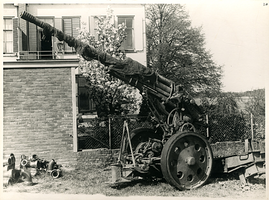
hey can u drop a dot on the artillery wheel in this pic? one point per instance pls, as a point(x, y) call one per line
point(186, 160)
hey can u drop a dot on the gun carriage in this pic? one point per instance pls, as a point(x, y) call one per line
point(175, 149)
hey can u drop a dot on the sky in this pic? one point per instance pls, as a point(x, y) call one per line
point(237, 35)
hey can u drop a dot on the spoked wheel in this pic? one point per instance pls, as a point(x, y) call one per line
point(186, 160)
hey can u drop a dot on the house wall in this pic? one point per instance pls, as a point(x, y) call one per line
point(38, 113)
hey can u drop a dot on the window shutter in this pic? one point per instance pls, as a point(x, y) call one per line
point(22, 38)
point(15, 35)
point(71, 27)
point(67, 24)
point(24, 41)
point(19, 33)
point(75, 27)
point(32, 37)
point(58, 23)
point(139, 32)
point(92, 25)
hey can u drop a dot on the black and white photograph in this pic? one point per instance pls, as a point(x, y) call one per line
point(116, 99)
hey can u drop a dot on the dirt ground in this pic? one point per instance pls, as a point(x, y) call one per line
point(94, 181)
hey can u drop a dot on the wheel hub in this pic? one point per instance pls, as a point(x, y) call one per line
point(190, 160)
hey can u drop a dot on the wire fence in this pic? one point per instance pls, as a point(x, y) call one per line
point(97, 133)
point(236, 127)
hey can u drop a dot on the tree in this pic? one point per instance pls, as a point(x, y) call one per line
point(176, 50)
point(256, 103)
point(226, 120)
point(221, 104)
point(110, 95)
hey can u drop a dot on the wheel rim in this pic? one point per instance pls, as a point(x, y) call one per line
point(186, 160)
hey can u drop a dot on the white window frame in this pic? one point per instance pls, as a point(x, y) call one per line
point(92, 28)
point(128, 28)
point(7, 30)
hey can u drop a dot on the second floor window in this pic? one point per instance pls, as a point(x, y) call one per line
point(71, 27)
point(7, 35)
point(128, 44)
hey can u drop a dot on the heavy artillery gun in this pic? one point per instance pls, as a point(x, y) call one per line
point(175, 149)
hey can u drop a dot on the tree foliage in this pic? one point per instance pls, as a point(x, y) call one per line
point(176, 49)
point(221, 104)
point(110, 95)
point(256, 103)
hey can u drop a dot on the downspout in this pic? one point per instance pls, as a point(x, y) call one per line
point(74, 109)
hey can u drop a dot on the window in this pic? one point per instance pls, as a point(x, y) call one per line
point(128, 44)
point(71, 27)
point(85, 103)
point(7, 35)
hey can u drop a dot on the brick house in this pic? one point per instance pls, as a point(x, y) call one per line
point(41, 95)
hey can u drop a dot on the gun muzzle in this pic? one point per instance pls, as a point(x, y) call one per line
point(30, 18)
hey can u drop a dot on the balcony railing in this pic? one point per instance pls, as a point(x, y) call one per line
point(44, 55)
point(36, 55)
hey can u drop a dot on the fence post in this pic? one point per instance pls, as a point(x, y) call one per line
point(207, 128)
point(251, 124)
point(109, 131)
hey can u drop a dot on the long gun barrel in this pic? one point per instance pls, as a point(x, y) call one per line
point(30, 18)
point(123, 69)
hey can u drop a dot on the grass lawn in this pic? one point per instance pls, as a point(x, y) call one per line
point(94, 181)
